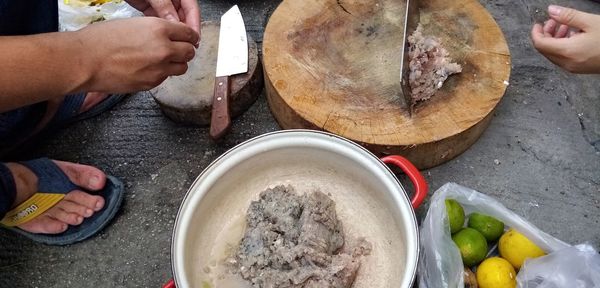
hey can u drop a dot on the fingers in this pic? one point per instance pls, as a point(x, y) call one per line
point(183, 52)
point(550, 27)
point(181, 32)
point(181, 15)
point(537, 33)
point(562, 32)
point(571, 17)
point(554, 29)
point(191, 10)
point(573, 33)
point(165, 9)
point(550, 46)
point(176, 69)
point(547, 45)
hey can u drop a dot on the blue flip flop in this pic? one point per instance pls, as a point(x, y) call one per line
point(16, 126)
point(52, 180)
point(68, 112)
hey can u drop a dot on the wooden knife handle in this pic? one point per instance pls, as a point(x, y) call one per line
point(220, 119)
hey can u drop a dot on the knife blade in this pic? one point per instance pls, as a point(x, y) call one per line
point(232, 58)
point(411, 21)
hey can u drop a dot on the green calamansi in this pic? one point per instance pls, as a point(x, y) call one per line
point(456, 215)
point(490, 227)
point(472, 246)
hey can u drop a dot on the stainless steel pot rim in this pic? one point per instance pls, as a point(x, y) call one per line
point(240, 146)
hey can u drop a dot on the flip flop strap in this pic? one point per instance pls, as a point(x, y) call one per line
point(69, 108)
point(53, 184)
point(51, 179)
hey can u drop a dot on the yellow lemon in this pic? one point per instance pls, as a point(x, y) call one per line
point(515, 247)
point(496, 272)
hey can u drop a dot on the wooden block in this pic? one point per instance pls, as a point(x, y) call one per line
point(187, 99)
point(334, 65)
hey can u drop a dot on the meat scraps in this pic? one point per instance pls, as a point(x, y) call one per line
point(429, 66)
point(296, 241)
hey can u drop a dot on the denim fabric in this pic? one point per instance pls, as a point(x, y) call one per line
point(8, 191)
point(21, 17)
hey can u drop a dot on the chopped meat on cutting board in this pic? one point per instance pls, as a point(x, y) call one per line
point(429, 65)
point(294, 240)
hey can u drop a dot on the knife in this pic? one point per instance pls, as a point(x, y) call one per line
point(411, 21)
point(232, 58)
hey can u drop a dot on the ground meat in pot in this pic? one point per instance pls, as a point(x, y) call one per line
point(296, 241)
point(429, 66)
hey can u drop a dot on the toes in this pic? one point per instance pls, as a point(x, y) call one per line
point(72, 210)
point(93, 202)
point(88, 177)
point(64, 216)
point(92, 99)
point(76, 205)
point(76, 208)
point(44, 224)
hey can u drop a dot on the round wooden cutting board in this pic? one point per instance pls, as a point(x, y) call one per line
point(334, 65)
point(188, 98)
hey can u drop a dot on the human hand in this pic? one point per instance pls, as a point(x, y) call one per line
point(569, 39)
point(120, 58)
point(186, 11)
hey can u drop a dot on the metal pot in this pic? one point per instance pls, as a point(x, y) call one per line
point(370, 202)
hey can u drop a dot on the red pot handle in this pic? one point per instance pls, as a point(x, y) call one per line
point(170, 284)
point(415, 176)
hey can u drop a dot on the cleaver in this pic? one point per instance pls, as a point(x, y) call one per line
point(411, 21)
point(232, 58)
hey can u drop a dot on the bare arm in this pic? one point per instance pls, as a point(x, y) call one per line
point(41, 67)
point(113, 56)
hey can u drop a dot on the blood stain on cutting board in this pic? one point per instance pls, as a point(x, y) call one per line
point(348, 70)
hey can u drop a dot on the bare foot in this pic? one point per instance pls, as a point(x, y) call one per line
point(76, 205)
point(92, 99)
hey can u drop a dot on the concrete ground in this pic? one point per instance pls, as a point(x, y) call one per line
point(540, 157)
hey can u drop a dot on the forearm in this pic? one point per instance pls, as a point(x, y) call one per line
point(40, 67)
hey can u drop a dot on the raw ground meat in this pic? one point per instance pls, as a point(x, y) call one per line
point(429, 66)
point(296, 241)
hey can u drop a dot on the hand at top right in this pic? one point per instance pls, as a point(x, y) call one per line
point(570, 39)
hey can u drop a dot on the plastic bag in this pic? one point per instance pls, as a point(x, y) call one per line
point(440, 263)
point(573, 267)
point(76, 14)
